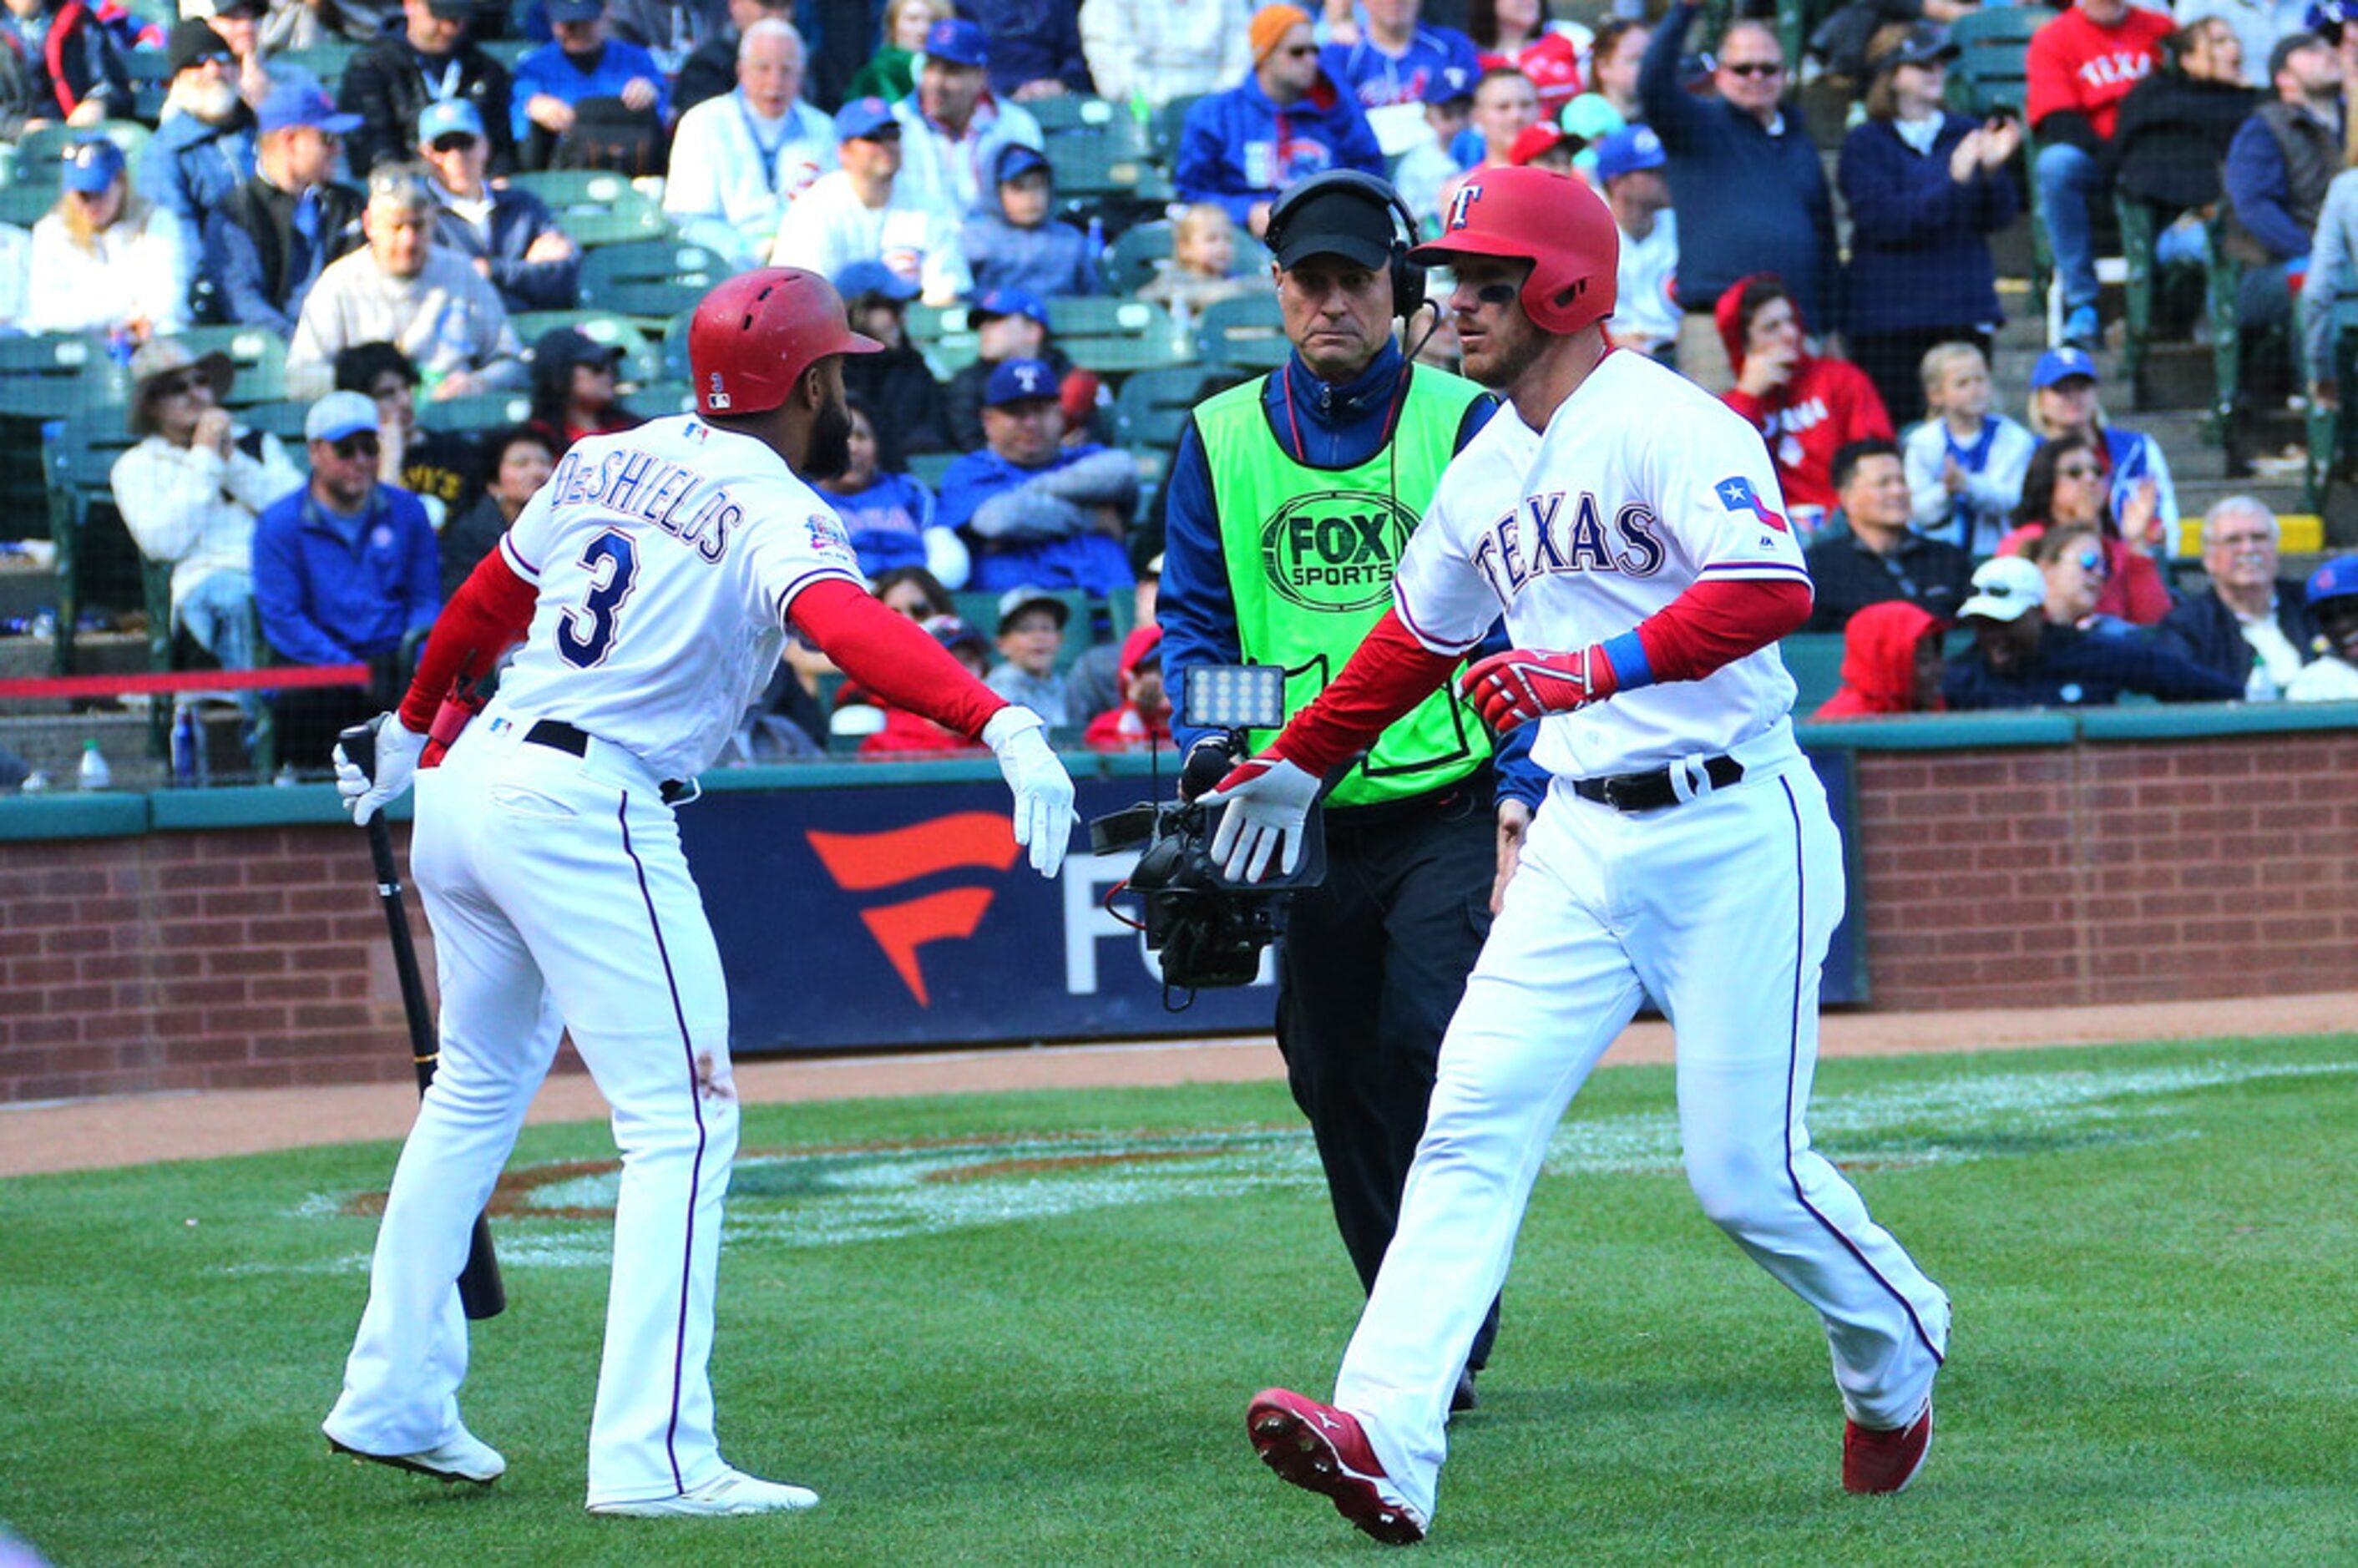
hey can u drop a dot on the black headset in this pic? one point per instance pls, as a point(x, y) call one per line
point(1407, 279)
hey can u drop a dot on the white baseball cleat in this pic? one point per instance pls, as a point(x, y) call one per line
point(730, 1492)
point(464, 1458)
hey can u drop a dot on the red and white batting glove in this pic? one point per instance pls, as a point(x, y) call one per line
point(1268, 798)
point(1523, 684)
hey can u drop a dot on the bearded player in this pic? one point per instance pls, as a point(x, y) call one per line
point(1631, 529)
point(656, 572)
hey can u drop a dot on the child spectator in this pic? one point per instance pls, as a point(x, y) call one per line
point(1142, 721)
point(896, 377)
point(1891, 663)
point(1424, 169)
point(573, 392)
point(1516, 33)
point(439, 467)
point(103, 259)
point(1198, 274)
point(2332, 676)
point(2064, 488)
point(1926, 190)
point(517, 461)
point(889, 515)
point(1020, 245)
point(890, 72)
point(2063, 401)
point(1008, 324)
point(1965, 463)
point(1030, 635)
point(1806, 408)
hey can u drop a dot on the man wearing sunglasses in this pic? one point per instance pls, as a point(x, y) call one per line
point(1746, 178)
point(1285, 122)
point(506, 233)
point(345, 571)
point(203, 146)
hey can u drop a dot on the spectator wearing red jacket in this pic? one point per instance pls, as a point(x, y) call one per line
point(1891, 663)
point(1806, 408)
point(2081, 66)
point(1142, 721)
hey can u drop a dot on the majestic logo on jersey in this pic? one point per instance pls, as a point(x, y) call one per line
point(1559, 532)
point(1335, 550)
point(1737, 495)
point(1461, 205)
point(864, 863)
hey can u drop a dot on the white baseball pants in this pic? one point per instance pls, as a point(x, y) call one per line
point(1722, 909)
point(559, 898)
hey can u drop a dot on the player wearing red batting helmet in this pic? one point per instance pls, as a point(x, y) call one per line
point(752, 337)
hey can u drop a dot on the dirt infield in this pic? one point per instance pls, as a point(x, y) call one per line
point(135, 1130)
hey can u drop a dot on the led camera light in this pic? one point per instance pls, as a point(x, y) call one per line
point(1235, 696)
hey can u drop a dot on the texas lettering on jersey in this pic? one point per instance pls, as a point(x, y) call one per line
point(655, 489)
point(1552, 533)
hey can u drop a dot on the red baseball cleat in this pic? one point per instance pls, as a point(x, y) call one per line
point(1322, 1450)
point(1885, 1461)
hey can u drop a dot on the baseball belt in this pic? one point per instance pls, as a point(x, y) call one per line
point(1652, 792)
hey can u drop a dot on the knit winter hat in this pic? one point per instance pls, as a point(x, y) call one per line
point(1270, 25)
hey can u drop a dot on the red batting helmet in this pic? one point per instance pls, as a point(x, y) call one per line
point(1552, 220)
point(752, 337)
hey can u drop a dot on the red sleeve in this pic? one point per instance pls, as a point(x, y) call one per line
point(489, 613)
point(893, 657)
point(2148, 600)
point(1715, 624)
point(1390, 673)
point(1751, 407)
point(2047, 67)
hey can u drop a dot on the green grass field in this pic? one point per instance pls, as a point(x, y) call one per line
point(1022, 1329)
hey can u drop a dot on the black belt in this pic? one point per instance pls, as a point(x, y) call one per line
point(1651, 792)
point(559, 736)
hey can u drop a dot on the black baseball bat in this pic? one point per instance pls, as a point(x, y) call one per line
point(480, 1291)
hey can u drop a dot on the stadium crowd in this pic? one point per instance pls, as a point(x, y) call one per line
point(395, 193)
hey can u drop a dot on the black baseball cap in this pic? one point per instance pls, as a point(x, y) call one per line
point(1338, 222)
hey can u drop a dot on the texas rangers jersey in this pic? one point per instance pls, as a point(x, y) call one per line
point(1641, 484)
point(666, 559)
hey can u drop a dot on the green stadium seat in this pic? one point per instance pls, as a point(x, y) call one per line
point(1814, 661)
point(95, 557)
point(1129, 264)
point(1170, 124)
point(260, 357)
point(675, 346)
point(596, 208)
point(48, 376)
point(40, 151)
point(661, 399)
point(1114, 336)
point(1113, 160)
point(641, 359)
point(927, 468)
point(479, 411)
point(325, 59)
point(649, 280)
point(1152, 407)
point(1989, 72)
point(26, 205)
point(1071, 111)
point(1247, 333)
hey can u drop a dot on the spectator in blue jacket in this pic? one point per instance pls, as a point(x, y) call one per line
point(890, 516)
point(345, 571)
point(583, 63)
point(1020, 245)
point(1744, 177)
point(2278, 168)
point(1035, 47)
point(1388, 67)
point(203, 146)
point(509, 234)
point(1925, 190)
point(2019, 660)
point(268, 240)
point(1034, 510)
point(1286, 121)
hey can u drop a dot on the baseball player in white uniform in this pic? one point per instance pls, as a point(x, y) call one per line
point(1683, 851)
point(656, 571)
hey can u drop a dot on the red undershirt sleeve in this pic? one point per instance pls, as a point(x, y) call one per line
point(894, 658)
point(1717, 621)
point(488, 614)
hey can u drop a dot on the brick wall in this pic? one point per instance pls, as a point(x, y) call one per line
point(2028, 876)
point(2149, 871)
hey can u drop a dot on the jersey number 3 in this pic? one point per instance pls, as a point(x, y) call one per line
point(585, 636)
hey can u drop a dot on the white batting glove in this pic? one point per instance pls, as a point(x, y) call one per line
point(1268, 799)
point(1044, 791)
point(397, 747)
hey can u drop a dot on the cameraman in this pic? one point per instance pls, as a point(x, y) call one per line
point(1290, 500)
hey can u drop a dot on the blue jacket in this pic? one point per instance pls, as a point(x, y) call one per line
point(887, 521)
point(1084, 558)
point(549, 69)
point(1341, 428)
point(1031, 40)
point(1378, 81)
point(1239, 149)
point(189, 165)
point(518, 217)
point(2075, 669)
point(326, 602)
point(1746, 201)
point(1049, 260)
point(1920, 252)
point(2259, 189)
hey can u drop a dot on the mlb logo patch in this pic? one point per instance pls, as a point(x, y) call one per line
point(1737, 495)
